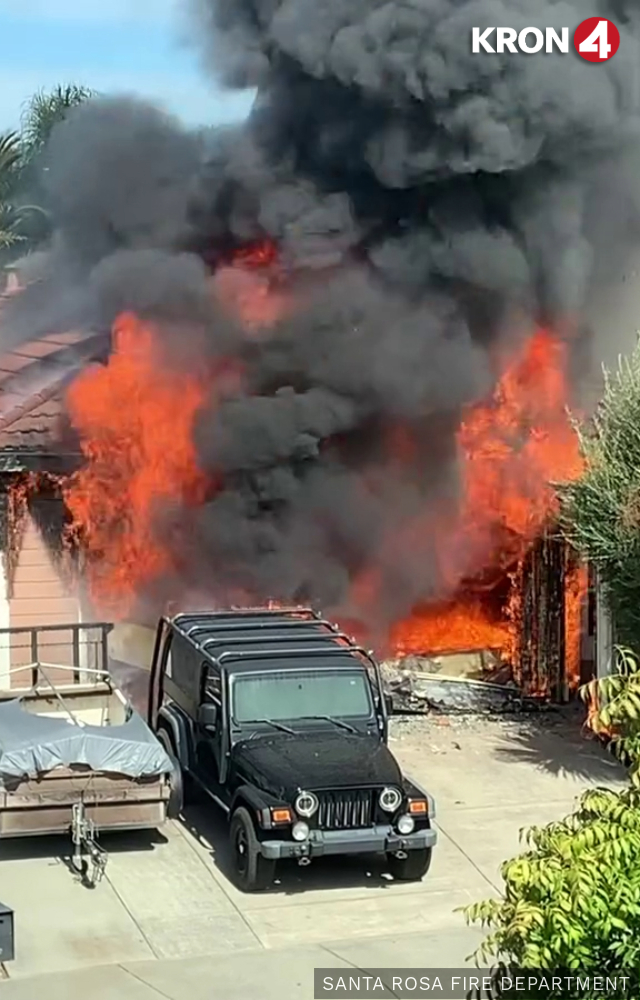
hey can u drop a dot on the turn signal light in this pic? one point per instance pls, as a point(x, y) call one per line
point(281, 816)
point(418, 807)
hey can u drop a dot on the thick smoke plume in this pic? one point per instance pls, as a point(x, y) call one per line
point(429, 207)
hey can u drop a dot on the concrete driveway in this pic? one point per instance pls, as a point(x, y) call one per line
point(167, 920)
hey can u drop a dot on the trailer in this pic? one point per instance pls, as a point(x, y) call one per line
point(75, 757)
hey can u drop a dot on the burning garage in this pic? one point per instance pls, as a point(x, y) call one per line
point(328, 353)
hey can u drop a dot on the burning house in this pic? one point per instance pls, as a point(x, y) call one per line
point(326, 355)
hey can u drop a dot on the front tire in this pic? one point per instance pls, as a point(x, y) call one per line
point(252, 871)
point(413, 868)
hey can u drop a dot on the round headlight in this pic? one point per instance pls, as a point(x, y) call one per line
point(406, 824)
point(300, 831)
point(390, 799)
point(306, 804)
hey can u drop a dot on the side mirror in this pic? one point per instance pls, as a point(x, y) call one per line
point(388, 702)
point(208, 716)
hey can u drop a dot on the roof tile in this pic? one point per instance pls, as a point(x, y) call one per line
point(33, 377)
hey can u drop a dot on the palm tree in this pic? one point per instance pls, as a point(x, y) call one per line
point(24, 225)
point(45, 110)
point(10, 168)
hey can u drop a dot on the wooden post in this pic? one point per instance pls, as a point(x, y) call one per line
point(539, 669)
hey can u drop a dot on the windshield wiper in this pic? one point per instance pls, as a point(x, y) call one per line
point(336, 722)
point(276, 725)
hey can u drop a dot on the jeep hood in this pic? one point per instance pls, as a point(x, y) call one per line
point(283, 764)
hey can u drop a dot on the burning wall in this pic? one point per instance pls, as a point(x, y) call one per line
point(345, 332)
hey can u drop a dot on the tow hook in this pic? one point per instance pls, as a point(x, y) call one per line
point(303, 862)
point(401, 855)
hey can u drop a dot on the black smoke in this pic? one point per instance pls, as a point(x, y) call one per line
point(428, 206)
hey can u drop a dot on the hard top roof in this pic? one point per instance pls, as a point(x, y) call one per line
point(278, 639)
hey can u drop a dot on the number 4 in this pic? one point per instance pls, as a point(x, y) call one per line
point(599, 34)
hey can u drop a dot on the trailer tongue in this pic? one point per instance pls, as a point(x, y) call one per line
point(74, 755)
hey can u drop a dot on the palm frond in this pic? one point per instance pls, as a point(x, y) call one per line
point(46, 109)
point(10, 162)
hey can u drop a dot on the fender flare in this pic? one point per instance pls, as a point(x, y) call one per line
point(171, 718)
point(411, 787)
point(250, 797)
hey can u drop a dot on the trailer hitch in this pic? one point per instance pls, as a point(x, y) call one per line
point(89, 859)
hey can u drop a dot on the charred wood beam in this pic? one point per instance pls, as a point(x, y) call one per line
point(34, 460)
point(540, 669)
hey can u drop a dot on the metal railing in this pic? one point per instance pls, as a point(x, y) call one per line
point(77, 637)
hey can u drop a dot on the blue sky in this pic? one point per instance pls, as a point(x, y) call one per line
point(114, 46)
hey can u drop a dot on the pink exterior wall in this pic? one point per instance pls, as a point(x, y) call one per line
point(40, 597)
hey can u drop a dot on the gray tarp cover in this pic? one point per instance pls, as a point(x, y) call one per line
point(33, 744)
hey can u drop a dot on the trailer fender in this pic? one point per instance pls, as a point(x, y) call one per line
point(171, 718)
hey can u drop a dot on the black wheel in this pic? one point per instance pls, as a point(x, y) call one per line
point(412, 868)
point(252, 871)
point(176, 794)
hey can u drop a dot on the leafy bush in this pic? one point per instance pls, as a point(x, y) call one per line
point(572, 901)
point(614, 703)
point(600, 511)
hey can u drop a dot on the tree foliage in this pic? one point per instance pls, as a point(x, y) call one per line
point(10, 160)
point(572, 901)
point(23, 222)
point(600, 511)
point(615, 711)
point(44, 111)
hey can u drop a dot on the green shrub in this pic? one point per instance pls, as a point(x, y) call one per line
point(615, 710)
point(600, 511)
point(573, 899)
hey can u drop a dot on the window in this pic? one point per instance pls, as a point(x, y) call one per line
point(299, 694)
point(184, 665)
point(211, 683)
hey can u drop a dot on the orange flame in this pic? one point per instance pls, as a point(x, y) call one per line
point(135, 418)
point(248, 288)
point(576, 591)
point(136, 415)
point(512, 448)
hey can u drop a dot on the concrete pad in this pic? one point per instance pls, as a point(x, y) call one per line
point(335, 897)
point(306, 923)
point(270, 975)
point(471, 770)
point(447, 948)
point(267, 975)
point(335, 879)
point(470, 830)
point(109, 982)
point(169, 903)
point(179, 907)
point(61, 925)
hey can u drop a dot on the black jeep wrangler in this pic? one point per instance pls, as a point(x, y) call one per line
point(281, 719)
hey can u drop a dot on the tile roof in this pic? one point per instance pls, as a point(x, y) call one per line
point(33, 378)
point(34, 423)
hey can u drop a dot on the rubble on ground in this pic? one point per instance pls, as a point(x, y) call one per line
point(417, 684)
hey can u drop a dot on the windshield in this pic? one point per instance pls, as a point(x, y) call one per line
point(300, 694)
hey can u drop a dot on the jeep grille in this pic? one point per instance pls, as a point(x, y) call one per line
point(346, 809)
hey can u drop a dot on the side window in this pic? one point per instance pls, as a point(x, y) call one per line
point(211, 689)
point(184, 665)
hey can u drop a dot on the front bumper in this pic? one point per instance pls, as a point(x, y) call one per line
point(373, 840)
